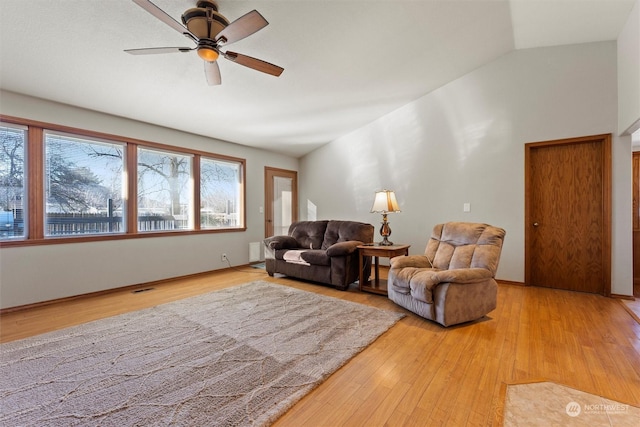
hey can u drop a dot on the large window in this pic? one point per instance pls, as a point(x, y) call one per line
point(12, 181)
point(165, 193)
point(83, 186)
point(220, 193)
point(60, 184)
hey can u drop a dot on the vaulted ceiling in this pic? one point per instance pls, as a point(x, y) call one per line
point(346, 62)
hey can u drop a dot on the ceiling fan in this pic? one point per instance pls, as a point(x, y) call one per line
point(211, 31)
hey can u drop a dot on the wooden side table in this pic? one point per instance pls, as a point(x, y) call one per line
point(377, 285)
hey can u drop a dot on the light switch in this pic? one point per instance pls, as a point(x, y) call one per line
point(261, 210)
point(466, 207)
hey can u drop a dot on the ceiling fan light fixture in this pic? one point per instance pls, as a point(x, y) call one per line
point(208, 53)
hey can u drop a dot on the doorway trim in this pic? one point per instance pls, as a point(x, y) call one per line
point(269, 174)
point(605, 140)
point(635, 203)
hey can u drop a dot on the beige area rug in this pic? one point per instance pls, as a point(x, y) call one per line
point(236, 357)
point(547, 404)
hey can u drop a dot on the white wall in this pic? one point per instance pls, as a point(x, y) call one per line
point(465, 143)
point(39, 273)
point(629, 73)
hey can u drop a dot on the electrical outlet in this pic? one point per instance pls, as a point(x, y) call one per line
point(223, 257)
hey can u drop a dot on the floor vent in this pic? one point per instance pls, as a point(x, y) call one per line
point(137, 291)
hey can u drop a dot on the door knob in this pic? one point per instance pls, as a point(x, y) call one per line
point(535, 224)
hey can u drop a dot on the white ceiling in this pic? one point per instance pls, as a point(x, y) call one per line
point(346, 62)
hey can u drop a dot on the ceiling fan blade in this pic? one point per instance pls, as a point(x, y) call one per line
point(155, 50)
point(256, 64)
point(212, 72)
point(242, 27)
point(164, 17)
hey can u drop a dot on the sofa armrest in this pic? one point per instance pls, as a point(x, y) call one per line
point(281, 242)
point(418, 261)
point(464, 275)
point(343, 248)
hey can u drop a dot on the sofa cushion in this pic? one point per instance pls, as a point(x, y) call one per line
point(316, 257)
point(295, 256)
point(308, 234)
point(343, 231)
point(279, 254)
point(312, 256)
point(465, 245)
point(343, 248)
point(281, 242)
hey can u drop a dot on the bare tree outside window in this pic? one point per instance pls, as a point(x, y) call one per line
point(12, 185)
point(83, 186)
point(165, 195)
point(220, 192)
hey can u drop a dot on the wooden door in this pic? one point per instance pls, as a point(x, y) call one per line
point(636, 224)
point(281, 199)
point(567, 214)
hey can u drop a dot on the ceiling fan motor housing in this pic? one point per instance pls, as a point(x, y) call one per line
point(204, 21)
point(207, 4)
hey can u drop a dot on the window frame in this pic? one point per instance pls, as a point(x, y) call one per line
point(81, 139)
point(34, 177)
point(25, 178)
point(240, 200)
point(192, 160)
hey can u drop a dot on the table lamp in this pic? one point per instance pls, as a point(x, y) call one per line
point(385, 202)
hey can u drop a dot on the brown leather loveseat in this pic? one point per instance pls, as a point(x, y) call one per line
point(319, 251)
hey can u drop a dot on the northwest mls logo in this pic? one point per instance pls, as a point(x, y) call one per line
point(573, 409)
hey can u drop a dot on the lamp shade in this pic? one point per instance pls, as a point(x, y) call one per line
point(385, 201)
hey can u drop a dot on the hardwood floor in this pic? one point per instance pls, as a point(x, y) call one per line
point(419, 373)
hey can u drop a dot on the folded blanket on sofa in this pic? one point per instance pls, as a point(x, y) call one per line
point(294, 257)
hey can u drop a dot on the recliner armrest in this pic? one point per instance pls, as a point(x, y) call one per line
point(464, 275)
point(281, 242)
point(418, 261)
point(343, 248)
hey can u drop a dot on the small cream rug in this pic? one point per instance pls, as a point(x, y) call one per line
point(236, 357)
point(547, 404)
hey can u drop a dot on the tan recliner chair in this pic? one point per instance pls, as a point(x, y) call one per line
point(454, 281)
